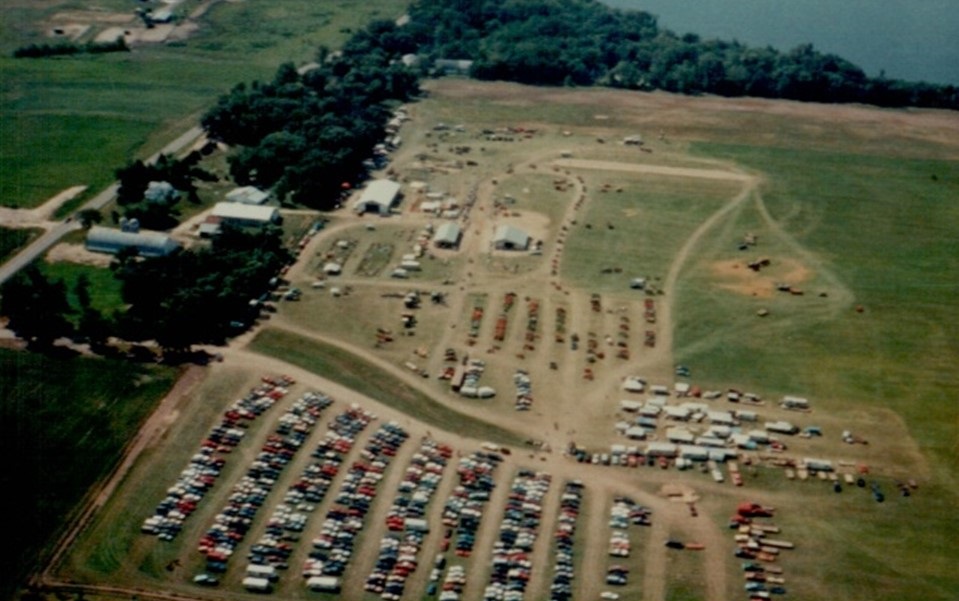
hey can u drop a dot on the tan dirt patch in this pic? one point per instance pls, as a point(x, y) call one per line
point(76, 253)
point(734, 275)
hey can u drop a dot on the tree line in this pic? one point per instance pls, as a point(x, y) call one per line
point(584, 42)
point(193, 297)
point(70, 48)
point(306, 133)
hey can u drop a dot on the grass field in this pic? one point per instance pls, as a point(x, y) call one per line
point(348, 370)
point(66, 421)
point(104, 288)
point(70, 121)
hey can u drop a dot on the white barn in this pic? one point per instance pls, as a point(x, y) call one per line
point(378, 197)
point(235, 213)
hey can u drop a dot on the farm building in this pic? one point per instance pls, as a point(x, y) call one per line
point(234, 213)
point(247, 195)
point(447, 236)
point(508, 237)
point(161, 193)
point(148, 244)
point(453, 66)
point(378, 197)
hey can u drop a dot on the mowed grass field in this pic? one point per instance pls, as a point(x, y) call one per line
point(11, 240)
point(74, 120)
point(870, 230)
point(64, 424)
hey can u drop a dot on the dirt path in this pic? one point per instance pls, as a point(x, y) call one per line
point(38, 216)
point(151, 431)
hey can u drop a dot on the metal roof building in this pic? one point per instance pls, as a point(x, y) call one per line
point(378, 197)
point(148, 244)
point(248, 195)
point(447, 235)
point(507, 237)
point(242, 214)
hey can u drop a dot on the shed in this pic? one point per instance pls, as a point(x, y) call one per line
point(447, 235)
point(378, 197)
point(248, 195)
point(235, 213)
point(148, 243)
point(507, 237)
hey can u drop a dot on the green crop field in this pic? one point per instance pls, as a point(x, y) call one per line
point(73, 120)
point(66, 421)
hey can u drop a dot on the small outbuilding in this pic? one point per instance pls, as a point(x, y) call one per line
point(148, 244)
point(378, 197)
point(447, 235)
point(507, 237)
point(247, 195)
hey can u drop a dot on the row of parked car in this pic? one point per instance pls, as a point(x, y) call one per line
point(317, 478)
point(624, 512)
point(406, 521)
point(232, 523)
point(464, 507)
point(290, 516)
point(333, 549)
point(511, 563)
point(561, 588)
point(204, 467)
point(524, 390)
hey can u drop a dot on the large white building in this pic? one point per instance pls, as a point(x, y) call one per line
point(379, 196)
point(242, 214)
point(148, 243)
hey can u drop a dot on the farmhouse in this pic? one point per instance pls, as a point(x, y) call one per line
point(238, 214)
point(447, 236)
point(161, 193)
point(508, 237)
point(378, 197)
point(148, 244)
point(248, 195)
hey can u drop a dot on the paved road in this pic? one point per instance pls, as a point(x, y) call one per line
point(53, 235)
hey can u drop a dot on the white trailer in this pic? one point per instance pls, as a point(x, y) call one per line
point(323, 584)
point(257, 585)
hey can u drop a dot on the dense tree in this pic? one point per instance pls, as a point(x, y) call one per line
point(194, 297)
point(584, 42)
point(37, 308)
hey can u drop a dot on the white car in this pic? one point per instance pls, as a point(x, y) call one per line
point(609, 595)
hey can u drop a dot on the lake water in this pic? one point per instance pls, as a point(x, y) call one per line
point(914, 40)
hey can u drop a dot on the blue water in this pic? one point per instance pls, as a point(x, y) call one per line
point(915, 40)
